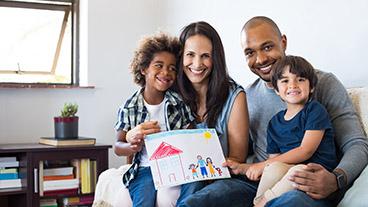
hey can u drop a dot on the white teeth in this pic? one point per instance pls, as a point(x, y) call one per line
point(196, 71)
point(265, 68)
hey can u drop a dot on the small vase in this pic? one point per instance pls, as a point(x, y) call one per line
point(66, 127)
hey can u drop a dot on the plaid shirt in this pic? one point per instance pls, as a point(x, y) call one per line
point(134, 112)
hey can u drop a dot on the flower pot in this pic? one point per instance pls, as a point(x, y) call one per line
point(66, 127)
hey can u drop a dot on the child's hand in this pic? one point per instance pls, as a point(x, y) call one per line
point(255, 171)
point(136, 135)
point(236, 167)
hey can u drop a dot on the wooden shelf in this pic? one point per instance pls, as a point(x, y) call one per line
point(29, 156)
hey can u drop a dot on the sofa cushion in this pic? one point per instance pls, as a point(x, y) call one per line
point(357, 195)
point(359, 96)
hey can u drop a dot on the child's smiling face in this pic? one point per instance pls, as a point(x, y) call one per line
point(161, 72)
point(293, 89)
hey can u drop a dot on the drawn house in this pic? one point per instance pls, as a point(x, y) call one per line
point(168, 164)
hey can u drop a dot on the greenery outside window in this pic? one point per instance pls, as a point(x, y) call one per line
point(39, 42)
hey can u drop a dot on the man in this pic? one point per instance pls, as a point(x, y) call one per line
point(263, 44)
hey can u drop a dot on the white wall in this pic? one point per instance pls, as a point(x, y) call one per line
point(330, 34)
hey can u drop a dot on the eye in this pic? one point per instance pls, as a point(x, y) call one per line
point(301, 79)
point(206, 55)
point(284, 80)
point(189, 54)
point(158, 65)
point(249, 53)
point(173, 68)
point(268, 47)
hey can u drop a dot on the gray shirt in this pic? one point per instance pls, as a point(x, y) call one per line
point(263, 103)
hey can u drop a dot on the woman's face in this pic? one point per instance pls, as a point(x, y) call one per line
point(197, 59)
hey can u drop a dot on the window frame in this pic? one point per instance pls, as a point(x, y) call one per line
point(54, 5)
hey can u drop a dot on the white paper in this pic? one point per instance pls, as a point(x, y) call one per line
point(175, 157)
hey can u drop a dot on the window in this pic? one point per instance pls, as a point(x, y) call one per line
point(39, 42)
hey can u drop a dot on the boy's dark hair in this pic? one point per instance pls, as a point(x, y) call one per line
point(218, 86)
point(147, 48)
point(298, 66)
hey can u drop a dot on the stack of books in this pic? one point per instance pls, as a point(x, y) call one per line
point(9, 177)
point(58, 180)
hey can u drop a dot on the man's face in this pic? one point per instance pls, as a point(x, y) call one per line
point(262, 47)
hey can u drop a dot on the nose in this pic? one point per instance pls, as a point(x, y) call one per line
point(261, 58)
point(197, 62)
point(292, 84)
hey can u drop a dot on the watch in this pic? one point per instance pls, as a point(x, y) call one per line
point(340, 178)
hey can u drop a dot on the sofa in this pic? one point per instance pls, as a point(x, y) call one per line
point(109, 187)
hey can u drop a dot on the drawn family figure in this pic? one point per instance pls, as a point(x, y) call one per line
point(210, 166)
point(202, 166)
point(193, 168)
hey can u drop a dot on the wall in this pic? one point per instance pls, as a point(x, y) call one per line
point(330, 34)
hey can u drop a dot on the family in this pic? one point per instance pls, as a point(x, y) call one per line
point(291, 138)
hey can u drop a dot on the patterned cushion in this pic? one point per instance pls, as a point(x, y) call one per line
point(359, 96)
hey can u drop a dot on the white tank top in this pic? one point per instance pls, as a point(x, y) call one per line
point(156, 113)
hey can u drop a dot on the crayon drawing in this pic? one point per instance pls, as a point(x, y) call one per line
point(184, 156)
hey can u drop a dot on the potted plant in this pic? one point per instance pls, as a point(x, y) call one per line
point(66, 125)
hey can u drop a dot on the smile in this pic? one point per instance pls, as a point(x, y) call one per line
point(164, 80)
point(293, 93)
point(197, 71)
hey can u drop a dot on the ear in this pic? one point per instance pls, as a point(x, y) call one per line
point(276, 92)
point(284, 42)
point(312, 90)
point(143, 71)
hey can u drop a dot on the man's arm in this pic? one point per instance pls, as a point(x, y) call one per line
point(349, 136)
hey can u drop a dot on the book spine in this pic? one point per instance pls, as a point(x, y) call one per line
point(5, 176)
point(9, 164)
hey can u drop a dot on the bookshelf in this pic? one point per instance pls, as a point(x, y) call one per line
point(30, 156)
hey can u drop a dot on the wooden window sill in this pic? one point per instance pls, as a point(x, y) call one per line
point(25, 85)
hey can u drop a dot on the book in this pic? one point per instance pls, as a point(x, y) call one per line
point(58, 171)
point(67, 142)
point(64, 192)
point(58, 177)
point(85, 176)
point(9, 170)
point(8, 159)
point(8, 176)
point(9, 164)
point(49, 202)
point(12, 183)
point(60, 183)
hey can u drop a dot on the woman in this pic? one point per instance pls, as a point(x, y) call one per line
point(217, 101)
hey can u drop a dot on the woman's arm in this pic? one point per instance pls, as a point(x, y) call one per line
point(238, 126)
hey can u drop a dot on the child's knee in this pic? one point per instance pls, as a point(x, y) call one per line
point(277, 166)
point(299, 167)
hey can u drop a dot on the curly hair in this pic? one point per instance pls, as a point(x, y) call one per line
point(148, 46)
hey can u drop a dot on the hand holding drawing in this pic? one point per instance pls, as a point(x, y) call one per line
point(136, 135)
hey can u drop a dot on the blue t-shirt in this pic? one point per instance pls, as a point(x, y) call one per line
point(284, 135)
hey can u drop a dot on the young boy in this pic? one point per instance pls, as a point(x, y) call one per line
point(151, 109)
point(300, 134)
